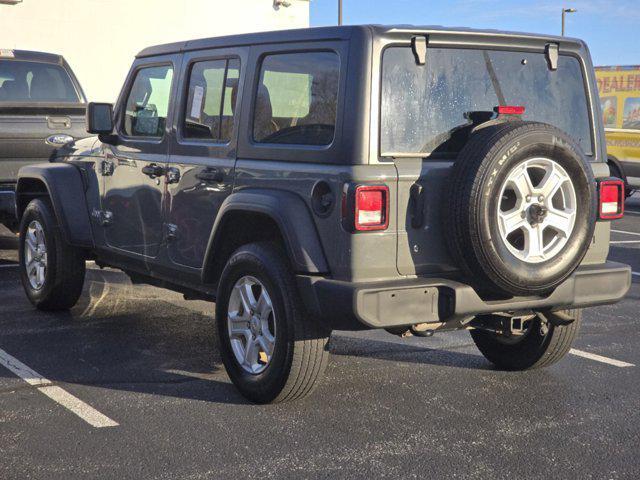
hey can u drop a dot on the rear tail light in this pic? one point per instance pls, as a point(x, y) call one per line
point(509, 110)
point(371, 207)
point(611, 199)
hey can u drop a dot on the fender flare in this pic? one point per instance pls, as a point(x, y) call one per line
point(290, 214)
point(616, 162)
point(66, 190)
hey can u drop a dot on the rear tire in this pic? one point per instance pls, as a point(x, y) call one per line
point(299, 344)
point(61, 266)
point(533, 350)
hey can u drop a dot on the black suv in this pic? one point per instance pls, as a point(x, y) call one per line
point(42, 108)
point(408, 178)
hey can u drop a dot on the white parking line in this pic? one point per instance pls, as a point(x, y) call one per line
point(55, 393)
point(636, 274)
point(600, 358)
point(614, 242)
point(9, 266)
point(625, 232)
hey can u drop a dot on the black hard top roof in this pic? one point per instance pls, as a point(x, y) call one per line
point(42, 57)
point(331, 33)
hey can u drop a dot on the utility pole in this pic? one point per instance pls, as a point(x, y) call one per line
point(564, 13)
point(339, 12)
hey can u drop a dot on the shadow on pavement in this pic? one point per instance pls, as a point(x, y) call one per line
point(406, 352)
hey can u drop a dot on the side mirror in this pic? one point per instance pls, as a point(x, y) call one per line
point(99, 118)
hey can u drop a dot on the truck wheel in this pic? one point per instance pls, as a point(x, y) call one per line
point(272, 350)
point(538, 347)
point(521, 210)
point(52, 272)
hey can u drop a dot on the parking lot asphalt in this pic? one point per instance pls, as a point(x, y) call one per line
point(147, 360)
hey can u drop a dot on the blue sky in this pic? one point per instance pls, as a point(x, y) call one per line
point(611, 28)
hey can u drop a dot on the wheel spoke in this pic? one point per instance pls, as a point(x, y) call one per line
point(559, 220)
point(31, 246)
point(266, 345)
point(246, 296)
point(264, 306)
point(512, 220)
point(250, 353)
point(40, 274)
point(551, 183)
point(534, 244)
point(522, 184)
point(238, 325)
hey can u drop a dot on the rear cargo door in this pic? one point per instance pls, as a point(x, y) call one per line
point(430, 108)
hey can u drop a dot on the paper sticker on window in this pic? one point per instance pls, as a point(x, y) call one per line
point(196, 104)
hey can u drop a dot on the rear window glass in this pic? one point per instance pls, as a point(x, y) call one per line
point(297, 98)
point(430, 109)
point(213, 89)
point(30, 82)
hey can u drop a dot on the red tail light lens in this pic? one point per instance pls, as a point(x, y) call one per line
point(510, 110)
point(611, 202)
point(371, 207)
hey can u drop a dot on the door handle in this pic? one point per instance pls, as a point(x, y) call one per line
point(153, 170)
point(210, 175)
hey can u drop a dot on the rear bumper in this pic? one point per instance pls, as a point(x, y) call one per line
point(345, 305)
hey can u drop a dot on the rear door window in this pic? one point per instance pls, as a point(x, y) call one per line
point(31, 82)
point(210, 108)
point(147, 105)
point(431, 108)
point(296, 99)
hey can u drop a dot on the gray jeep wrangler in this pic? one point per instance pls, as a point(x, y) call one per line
point(413, 179)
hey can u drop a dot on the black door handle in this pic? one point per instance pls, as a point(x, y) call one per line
point(153, 170)
point(210, 175)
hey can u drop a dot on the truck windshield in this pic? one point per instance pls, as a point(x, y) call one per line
point(431, 109)
point(30, 82)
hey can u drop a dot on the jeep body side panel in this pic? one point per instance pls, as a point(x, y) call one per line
point(66, 189)
point(300, 169)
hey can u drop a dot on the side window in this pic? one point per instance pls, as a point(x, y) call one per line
point(148, 102)
point(210, 109)
point(297, 98)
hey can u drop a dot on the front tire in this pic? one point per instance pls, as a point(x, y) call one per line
point(272, 350)
point(533, 350)
point(52, 271)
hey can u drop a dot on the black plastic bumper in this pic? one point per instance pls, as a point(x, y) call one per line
point(345, 305)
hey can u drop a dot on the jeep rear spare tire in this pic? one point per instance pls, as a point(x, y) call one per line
point(521, 208)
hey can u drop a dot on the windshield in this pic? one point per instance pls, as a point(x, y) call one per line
point(430, 109)
point(30, 82)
